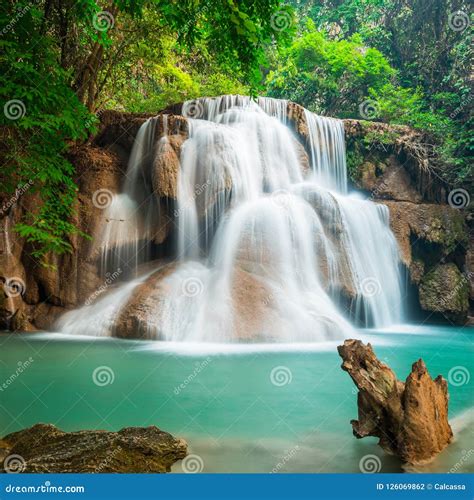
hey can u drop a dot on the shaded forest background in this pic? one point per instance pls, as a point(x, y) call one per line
point(63, 62)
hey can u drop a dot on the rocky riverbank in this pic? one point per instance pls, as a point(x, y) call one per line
point(45, 448)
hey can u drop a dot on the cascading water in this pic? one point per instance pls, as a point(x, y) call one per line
point(264, 245)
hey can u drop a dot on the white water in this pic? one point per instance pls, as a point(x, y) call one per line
point(264, 246)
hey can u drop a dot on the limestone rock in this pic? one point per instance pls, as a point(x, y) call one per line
point(434, 224)
point(135, 318)
point(45, 448)
point(166, 166)
point(445, 289)
point(410, 419)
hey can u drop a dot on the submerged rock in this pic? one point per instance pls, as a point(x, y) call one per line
point(45, 448)
point(411, 418)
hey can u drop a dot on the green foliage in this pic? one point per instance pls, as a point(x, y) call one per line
point(41, 114)
point(429, 45)
point(328, 76)
point(152, 78)
point(62, 60)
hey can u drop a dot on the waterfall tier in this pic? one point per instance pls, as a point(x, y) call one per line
point(268, 244)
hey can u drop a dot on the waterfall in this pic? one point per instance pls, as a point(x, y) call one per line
point(271, 247)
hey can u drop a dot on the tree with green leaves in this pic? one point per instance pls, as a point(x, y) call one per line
point(58, 60)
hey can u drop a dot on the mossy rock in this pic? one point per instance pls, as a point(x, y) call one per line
point(445, 289)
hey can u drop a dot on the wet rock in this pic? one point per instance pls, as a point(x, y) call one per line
point(410, 419)
point(166, 166)
point(45, 448)
point(137, 319)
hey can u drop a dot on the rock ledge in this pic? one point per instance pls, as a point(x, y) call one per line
point(45, 448)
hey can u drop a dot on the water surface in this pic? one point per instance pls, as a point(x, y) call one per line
point(242, 408)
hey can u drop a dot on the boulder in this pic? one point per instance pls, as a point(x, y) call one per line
point(45, 448)
point(410, 418)
point(445, 289)
point(440, 225)
point(166, 166)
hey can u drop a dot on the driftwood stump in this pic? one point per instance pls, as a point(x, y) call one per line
point(411, 418)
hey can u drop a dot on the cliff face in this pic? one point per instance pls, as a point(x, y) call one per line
point(385, 162)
